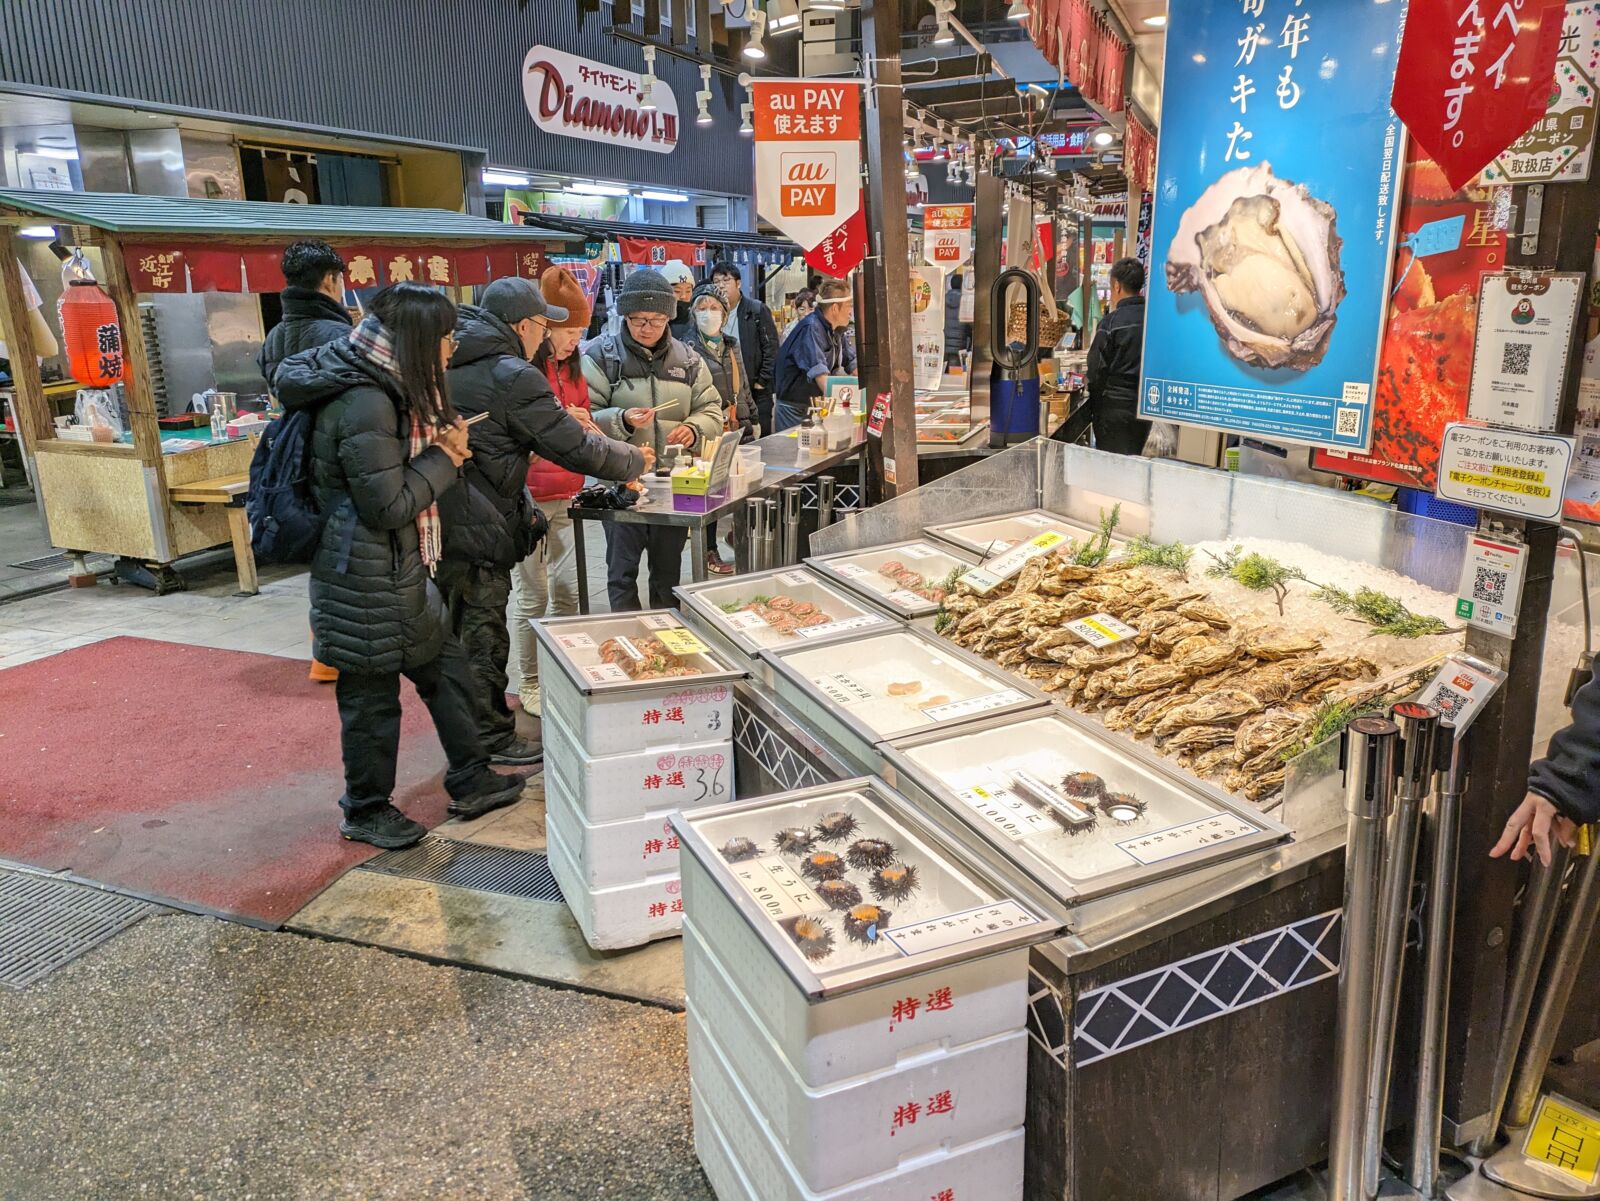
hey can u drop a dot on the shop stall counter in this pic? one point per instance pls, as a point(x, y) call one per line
point(910, 579)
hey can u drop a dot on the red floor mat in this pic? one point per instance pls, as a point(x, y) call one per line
point(203, 777)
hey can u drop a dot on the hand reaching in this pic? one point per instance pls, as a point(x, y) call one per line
point(1533, 823)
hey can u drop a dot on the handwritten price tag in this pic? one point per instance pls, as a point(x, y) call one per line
point(605, 673)
point(746, 621)
point(986, 578)
point(575, 642)
point(681, 641)
point(1101, 629)
point(972, 705)
point(658, 621)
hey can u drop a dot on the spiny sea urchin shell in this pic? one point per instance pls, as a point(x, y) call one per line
point(736, 850)
point(1083, 786)
point(1122, 806)
point(839, 894)
point(870, 852)
point(796, 840)
point(865, 922)
point(1075, 828)
point(811, 935)
point(895, 882)
point(822, 865)
point(836, 826)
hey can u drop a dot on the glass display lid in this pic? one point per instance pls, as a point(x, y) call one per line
point(908, 578)
point(1081, 810)
point(989, 536)
point(787, 607)
point(607, 652)
point(889, 685)
point(848, 888)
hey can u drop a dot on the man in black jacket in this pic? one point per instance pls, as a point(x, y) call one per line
point(313, 304)
point(751, 321)
point(1563, 787)
point(491, 523)
point(1114, 359)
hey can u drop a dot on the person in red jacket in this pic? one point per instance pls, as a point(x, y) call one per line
point(545, 584)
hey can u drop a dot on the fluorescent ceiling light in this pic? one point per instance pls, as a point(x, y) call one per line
point(40, 232)
point(1157, 21)
point(665, 197)
point(597, 189)
point(496, 178)
point(56, 152)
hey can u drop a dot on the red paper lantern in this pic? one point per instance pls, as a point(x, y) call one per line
point(93, 337)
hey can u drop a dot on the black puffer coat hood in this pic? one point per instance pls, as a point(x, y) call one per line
point(310, 319)
point(373, 607)
point(491, 520)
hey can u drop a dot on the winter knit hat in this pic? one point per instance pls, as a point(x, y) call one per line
point(561, 287)
point(711, 290)
point(646, 291)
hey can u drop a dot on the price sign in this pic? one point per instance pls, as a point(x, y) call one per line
point(952, 929)
point(777, 887)
point(988, 577)
point(973, 705)
point(658, 621)
point(630, 650)
point(1041, 521)
point(1565, 1136)
point(1491, 585)
point(865, 621)
point(575, 642)
point(918, 550)
point(904, 598)
point(843, 689)
point(1101, 629)
point(1005, 811)
point(794, 579)
point(746, 621)
point(853, 571)
point(1198, 835)
point(1460, 689)
point(605, 673)
point(681, 641)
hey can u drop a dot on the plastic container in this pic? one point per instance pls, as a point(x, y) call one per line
point(612, 918)
point(613, 787)
point(749, 460)
point(605, 854)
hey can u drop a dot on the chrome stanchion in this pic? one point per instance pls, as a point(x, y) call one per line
point(1369, 765)
point(826, 488)
point(1443, 828)
point(1540, 904)
point(755, 514)
point(1418, 724)
point(793, 500)
point(769, 533)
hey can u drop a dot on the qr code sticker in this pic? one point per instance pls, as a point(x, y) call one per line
point(1515, 358)
point(1347, 423)
point(1449, 702)
point(1489, 586)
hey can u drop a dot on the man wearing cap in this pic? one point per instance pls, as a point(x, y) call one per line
point(681, 278)
point(648, 387)
point(491, 523)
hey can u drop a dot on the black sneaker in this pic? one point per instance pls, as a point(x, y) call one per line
point(519, 752)
point(382, 826)
point(495, 797)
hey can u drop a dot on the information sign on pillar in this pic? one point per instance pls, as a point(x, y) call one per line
point(1473, 76)
point(808, 156)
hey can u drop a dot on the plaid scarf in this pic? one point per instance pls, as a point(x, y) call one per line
point(373, 343)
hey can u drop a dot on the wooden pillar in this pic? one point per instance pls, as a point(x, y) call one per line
point(32, 413)
point(885, 344)
point(1503, 733)
point(989, 195)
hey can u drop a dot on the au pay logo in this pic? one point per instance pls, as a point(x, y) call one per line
point(810, 183)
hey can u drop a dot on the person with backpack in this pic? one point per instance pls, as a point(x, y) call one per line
point(283, 525)
point(386, 445)
point(652, 390)
point(491, 523)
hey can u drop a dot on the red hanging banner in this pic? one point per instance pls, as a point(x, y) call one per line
point(842, 251)
point(472, 266)
point(155, 269)
point(654, 252)
point(1473, 75)
point(360, 266)
point(262, 269)
point(531, 261)
point(501, 261)
point(215, 269)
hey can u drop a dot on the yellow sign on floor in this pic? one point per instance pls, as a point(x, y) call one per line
point(1565, 1136)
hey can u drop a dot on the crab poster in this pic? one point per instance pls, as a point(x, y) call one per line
point(1277, 184)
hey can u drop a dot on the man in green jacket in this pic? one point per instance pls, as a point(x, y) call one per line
point(647, 388)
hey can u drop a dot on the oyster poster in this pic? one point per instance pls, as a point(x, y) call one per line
point(1277, 180)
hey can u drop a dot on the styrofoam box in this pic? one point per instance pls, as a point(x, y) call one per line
point(832, 1040)
point(745, 1162)
point(870, 1123)
point(606, 854)
point(610, 918)
point(612, 787)
point(624, 720)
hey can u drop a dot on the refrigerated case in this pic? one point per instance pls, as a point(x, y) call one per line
point(764, 610)
point(857, 1002)
point(989, 536)
point(907, 578)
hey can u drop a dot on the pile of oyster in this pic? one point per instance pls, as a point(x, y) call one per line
point(1222, 699)
point(1264, 255)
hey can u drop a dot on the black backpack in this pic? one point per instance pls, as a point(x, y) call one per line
point(285, 523)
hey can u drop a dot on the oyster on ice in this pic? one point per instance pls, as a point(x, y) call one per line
point(1264, 255)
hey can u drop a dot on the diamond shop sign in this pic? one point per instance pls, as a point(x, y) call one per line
point(580, 98)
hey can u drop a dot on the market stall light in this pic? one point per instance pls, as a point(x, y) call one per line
point(758, 28)
point(665, 197)
point(65, 152)
point(1104, 137)
point(703, 96)
point(1157, 21)
point(944, 35)
point(597, 189)
point(647, 84)
point(1018, 11)
point(42, 233)
point(495, 178)
point(746, 112)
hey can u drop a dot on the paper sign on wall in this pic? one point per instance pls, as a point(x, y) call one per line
point(1519, 357)
point(1505, 470)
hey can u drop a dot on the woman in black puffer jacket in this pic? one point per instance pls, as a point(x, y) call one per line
point(386, 444)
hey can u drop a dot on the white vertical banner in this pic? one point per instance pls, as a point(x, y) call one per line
point(927, 327)
point(947, 234)
point(808, 155)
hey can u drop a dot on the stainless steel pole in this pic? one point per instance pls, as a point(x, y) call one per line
point(1444, 840)
point(826, 487)
point(1577, 935)
point(769, 533)
point(1541, 901)
point(793, 501)
point(754, 517)
point(1418, 725)
point(1369, 762)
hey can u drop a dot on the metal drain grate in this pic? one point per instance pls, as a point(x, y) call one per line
point(45, 923)
point(524, 874)
point(57, 562)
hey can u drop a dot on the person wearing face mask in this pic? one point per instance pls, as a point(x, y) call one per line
point(721, 352)
point(491, 523)
point(681, 280)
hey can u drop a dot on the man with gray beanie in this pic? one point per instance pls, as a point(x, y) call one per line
point(491, 523)
point(651, 389)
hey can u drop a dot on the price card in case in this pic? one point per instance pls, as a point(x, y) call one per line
point(776, 887)
point(954, 928)
point(658, 621)
point(918, 550)
point(1161, 845)
point(1008, 813)
point(843, 689)
point(854, 571)
point(995, 572)
point(1101, 629)
point(605, 673)
point(680, 641)
point(575, 642)
point(973, 704)
point(746, 621)
point(795, 579)
point(904, 598)
point(864, 622)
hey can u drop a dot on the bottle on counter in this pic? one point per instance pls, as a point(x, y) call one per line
point(219, 420)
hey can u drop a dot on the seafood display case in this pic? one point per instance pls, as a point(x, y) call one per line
point(910, 579)
point(638, 725)
point(869, 690)
point(857, 1002)
point(989, 536)
point(1082, 812)
point(785, 607)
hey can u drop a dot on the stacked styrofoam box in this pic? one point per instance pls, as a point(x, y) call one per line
point(616, 768)
point(850, 1099)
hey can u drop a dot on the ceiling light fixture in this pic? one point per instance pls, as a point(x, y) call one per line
point(746, 112)
point(665, 197)
point(703, 96)
point(1018, 11)
point(647, 100)
point(496, 178)
point(597, 189)
point(943, 10)
point(783, 16)
point(42, 233)
point(1157, 21)
point(1104, 137)
point(753, 49)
